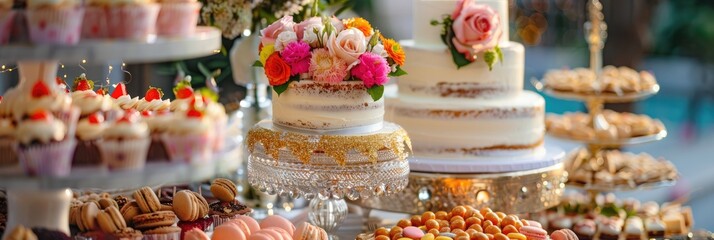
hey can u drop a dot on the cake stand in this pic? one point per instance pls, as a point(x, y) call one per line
point(519, 184)
point(44, 201)
point(327, 167)
point(595, 101)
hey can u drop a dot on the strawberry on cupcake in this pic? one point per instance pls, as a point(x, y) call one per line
point(122, 99)
point(184, 95)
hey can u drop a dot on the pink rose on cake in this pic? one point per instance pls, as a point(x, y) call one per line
point(476, 29)
point(271, 33)
point(348, 45)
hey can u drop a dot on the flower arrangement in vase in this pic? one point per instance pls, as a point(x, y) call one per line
point(326, 49)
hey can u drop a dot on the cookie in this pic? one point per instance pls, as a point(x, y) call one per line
point(203, 204)
point(104, 203)
point(129, 211)
point(186, 206)
point(155, 220)
point(110, 220)
point(88, 217)
point(147, 200)
point(223, 189)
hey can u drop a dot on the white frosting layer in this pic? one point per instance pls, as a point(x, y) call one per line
point(326, 106)
point(433, 74)
point(183, 125)
point(425, 11)
point(126, 102)
point(91, 102)
point(40, 130)
point(89, 131)
point(155, 105)
point(449, 128)
point(126, 130)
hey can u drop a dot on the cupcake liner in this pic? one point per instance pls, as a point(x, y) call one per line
point(165, 236)
point(157, 150)
point(94, 24)
point(178, 19)
point(70, 119)
point(55, 26)
point(127, 154)
point(192, 149)
point(220, 220)
point(134, 21)
point(7, 18)
point(87, 154)
point(51, 159)
point(8, 148)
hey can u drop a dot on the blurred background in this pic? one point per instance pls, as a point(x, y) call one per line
point(670, 38)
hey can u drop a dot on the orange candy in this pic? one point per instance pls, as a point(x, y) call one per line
point(493, 217)
point(427, 216)
point(382, 237)
point(500, 236)
point(479, 236)
point(381, 231)
point(476, 227)
point(416, 221)
point(501, 214)
point(458, 224)
point(441, 215)
point(472, 220)
point(432, 224)
point(493, 229)
point(434, 231)
point(517, 236)
point(445, 229)
point(509, 229)
point(459, 211)
point(508, 220)
point(404, 223)
point(395, 230)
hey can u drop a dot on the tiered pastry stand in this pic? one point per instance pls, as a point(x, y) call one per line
point(595, 37)
point(44, 201)
point(326, 167)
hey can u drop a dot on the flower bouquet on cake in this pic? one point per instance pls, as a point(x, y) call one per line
point(327, 139)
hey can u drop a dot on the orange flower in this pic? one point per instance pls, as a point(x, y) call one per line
point(359, 23)
point(394, 50)
point(277, 70)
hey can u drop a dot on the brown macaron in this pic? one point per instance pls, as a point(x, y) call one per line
point(223, 189)
point(110, 220)
point(129, 211)
point(104, 203)
point(147, 200)
point(163, 230)
point(88, 217)
point(128, 233)
point(186, 206)
point(203, 205)
point(155, 220)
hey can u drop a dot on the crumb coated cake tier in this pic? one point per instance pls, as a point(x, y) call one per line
point(432, 74)
point(458, 128)
point(327, 106)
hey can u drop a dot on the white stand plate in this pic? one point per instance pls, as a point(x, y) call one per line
point(204, 40)
point(548, 156)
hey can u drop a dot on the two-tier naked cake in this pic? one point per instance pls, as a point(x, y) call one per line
point(464, 95)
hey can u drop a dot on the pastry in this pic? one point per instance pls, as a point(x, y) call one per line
point(110, 220)
point(21, 233)
point(306, 231)
point(228, 232)
point(225, 211)
point(41, 136)
point(43, 234)
point(155, 220)
point(188, 207)
point(133, 19)
point(89, 131)
point(609, 229)
point(224, 189)
point(129, 211)
point(125, 142)
point(158, 122)
point(655, 228)
point(107, 202)
point(614, 80)
point(147, 200)
point(121, 201)
point(585, 229)
point(634, 229)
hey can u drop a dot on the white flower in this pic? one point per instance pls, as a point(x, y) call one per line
point(310, 37)
point(284, 38)
point(379, 50)
point(348, 45)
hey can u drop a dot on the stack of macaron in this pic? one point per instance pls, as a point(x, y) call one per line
point(271, 228)
point(192, 211)
point(157, 221)
point(100, 218)
point(227, 207)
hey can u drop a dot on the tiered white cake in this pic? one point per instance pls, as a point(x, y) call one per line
point(466, 112)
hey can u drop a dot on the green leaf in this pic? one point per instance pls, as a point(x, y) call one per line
point(434, 22)
point(490, 58)
point(446, 36)
point(281, 88)
point(376, 92)
point(459, 58)
point(257, 63)
point(398, 72)
point(499, 53)
point(208, 93)
point(373, 40)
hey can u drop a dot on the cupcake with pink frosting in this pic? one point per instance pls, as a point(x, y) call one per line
point(190, 137)
point(54, 21)
point(125, 142)
point(7, 17)
point(178, 18)
point(45, 149)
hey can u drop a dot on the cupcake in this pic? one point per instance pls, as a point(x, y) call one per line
point(227, 207)
point(54, 22)
point(189, 138)
point(94, 24)
point(178, 18)
point(89, 131)
point(634, 229)
point(158, 122)
point(43, 97)
point(132, 19)
point(88, 101)
point(585, 229)
point(122, 98)
point(125, 143)
point(7, 17)
point(163, 233)
point(655, 228)
point(45, 149)
point(152, 101)
point(7, 143)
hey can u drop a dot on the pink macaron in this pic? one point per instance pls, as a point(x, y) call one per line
point(564, 234)
point(228, 232)
point(278, 222)
point(534, 233)
point(252, 224)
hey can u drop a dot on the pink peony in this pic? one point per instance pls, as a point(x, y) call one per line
point(297, 55)
point(327, 68)
point(477, 28)
point(372, 69)
point(270, 33)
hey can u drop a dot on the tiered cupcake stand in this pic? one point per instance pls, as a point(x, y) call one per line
point(327, 167)
point(595, 36)
point(44, 201)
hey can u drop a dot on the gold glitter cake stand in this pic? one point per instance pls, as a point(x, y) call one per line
point(327, 167)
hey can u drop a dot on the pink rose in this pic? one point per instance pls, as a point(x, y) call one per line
point(476, 29)
point(348, 45)
point(270, 33)
point(459, 6)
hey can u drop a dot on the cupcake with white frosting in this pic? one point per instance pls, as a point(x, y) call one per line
point(54, 21)
point(190, 137)
point(50, 98)
point(125, 142)
point(94, 24)
point(152, 101)
point(132, 19)
point(89, 131)
point(122, 99)
point(88, 101)
point(44, 147)
point(158, 123)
